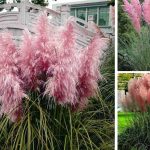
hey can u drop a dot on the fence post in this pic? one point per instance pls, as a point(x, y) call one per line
point(23, 11)
point(65, 13)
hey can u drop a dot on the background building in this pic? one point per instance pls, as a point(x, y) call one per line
point(99, 9)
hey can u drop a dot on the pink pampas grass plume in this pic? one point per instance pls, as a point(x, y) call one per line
point(133, 13)
point(44, 44)
point(63, 83)
point(89, 71)
point(139, 90)
point(133, 88)
point(146, 11)
point(11, 93)
point(137, 6)
point(27, 61)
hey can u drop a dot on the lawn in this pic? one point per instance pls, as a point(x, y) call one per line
point(124, 119)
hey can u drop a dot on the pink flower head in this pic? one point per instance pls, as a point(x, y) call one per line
point(137, 6)
point(89, 71)
point(127, 6)
point(11, 93)
point(44, 44)
point(134, 12)
point(135, 93)
point(27, 61)
point(146, 11)
point(139, 90)
point(63, 84)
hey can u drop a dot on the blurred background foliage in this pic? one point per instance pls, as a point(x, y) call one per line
point(123, 79)
point(38, 2)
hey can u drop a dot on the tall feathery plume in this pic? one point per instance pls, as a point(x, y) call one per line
point(45, 45)
point(133, 91)
point(65, 77)
point(89, 72)
point(137, 6)
point(146, 11)
point(134, 12)
point(146, 90)
point(11, 93)
point(27, 61)
point(139, 91)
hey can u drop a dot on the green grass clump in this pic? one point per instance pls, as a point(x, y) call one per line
point(52, 127)
point(137, 135)
point(134, 54)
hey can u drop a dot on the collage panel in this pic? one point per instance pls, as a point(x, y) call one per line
point(133, 111)
point(133, 35)
point(57, 74)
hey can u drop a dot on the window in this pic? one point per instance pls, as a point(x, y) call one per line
point(100, 14)
point(103, 16)
point(93, 11)
point(72, 12)
point(81, 13)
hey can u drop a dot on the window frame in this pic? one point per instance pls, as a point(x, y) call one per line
point(98, 13)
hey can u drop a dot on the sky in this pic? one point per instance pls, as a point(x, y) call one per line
point(61, 1)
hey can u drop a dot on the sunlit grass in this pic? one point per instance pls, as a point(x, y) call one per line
point(124, 119)
point(137, 133)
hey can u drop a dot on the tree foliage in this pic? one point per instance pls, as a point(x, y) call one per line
point(40, 2)
point(2, 1)
point(123, 79)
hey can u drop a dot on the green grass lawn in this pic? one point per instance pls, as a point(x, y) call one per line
point(124, 119)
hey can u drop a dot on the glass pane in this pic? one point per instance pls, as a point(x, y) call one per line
point(103, 16)
point(81, 13)
point(2, 1)
point(93, 11)
point(72, 12)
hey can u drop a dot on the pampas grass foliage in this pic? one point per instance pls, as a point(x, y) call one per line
point(137, 133)
point(49, 62)
point(135, 52)
point(47, 125)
